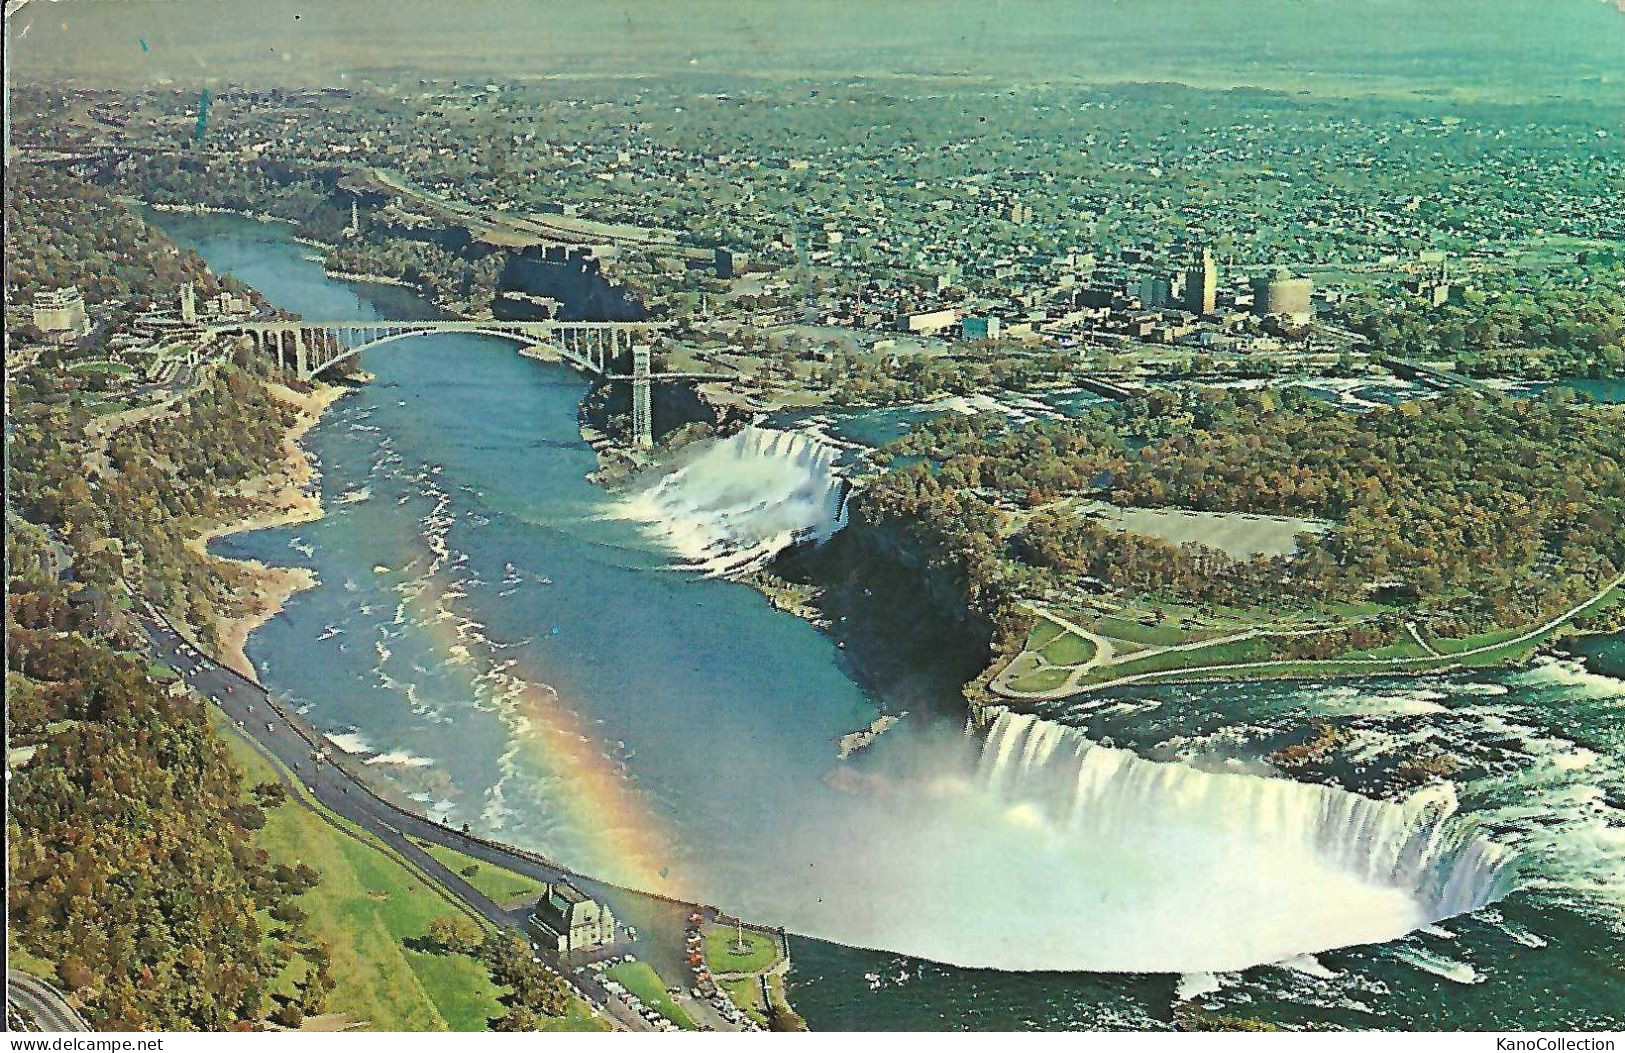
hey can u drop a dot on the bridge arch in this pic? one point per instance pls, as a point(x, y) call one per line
point(523, 339)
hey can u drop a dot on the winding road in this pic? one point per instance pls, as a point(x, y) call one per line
point(1376, 665)
point(307, 768)
point(40, 1004)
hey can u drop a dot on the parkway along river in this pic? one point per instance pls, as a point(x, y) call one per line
point(496, 639)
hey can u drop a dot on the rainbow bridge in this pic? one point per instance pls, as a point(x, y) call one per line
point(310, 348)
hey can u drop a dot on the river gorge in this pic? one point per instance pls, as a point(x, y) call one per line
point(515, 648)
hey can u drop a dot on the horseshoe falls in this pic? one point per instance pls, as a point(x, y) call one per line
point(737, 502)
point(1176, 869)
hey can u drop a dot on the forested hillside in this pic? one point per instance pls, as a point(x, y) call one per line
point(63, 231)
point(128, 828)
point(1478, 513)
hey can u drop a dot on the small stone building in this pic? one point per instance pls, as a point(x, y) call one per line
point(568, 920)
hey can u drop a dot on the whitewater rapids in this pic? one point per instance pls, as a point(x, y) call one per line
point(1047, 851)
point(736, 502)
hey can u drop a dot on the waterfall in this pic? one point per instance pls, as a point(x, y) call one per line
point(737, 502)
point(1418, 846)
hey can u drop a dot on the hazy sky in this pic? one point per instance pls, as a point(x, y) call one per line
point(1525, 48)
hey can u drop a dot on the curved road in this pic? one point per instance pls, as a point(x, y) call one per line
point(41, 1003)
point(304, 752)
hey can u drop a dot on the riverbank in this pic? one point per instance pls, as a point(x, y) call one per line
point(283, 497)
point(376, 279)
point(218, 210)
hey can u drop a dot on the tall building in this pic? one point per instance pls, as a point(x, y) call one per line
point(731, 264)
point(188, 303)
point(1283, 296)
point(60, 314)
point(1202, 284)
point(1156, 293)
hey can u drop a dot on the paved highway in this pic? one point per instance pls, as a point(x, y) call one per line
point(41, 1004)
point(266, 725)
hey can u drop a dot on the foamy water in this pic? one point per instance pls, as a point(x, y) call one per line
point(739, 501)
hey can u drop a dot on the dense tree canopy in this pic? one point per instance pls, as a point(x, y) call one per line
point(1486, 512)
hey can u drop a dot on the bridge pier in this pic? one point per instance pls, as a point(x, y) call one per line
point(642, 422)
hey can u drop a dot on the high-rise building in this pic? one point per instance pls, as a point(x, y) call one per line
point(60, 314)
point(1156, 293)
point(188, 303)
point(1202, 284)
point(1283, 296)
point(731, 264)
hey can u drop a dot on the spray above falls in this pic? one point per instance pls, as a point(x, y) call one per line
point(737, 502)
point(1352, 869)
point(1026, 846)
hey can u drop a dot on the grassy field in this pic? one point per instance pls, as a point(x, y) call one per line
point(1136, 632)
point(1068, 648)
point(1042, 632)
point(17, 958)
point(367, 905)
point(1468, 643)
point(761, 950)
point(1252, 650)
point(497, 882)
point(102, 367)
point(1039, 680)
point(644, 982)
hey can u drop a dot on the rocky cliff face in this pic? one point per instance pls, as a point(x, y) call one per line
point(576, 280)
point(904, 627)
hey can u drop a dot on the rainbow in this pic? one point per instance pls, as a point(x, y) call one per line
point(615, 830)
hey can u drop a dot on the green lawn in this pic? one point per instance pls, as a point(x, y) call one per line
point(17, 958)
point(1039, 680)
point(723, 955)
point(1251, 650)
point(644, 982)
point(1042, 632)
point(747, 995)
point(1068, 649)
point(367, 904)
point(1467, 643)
point(500, 883)
point(1137, 632)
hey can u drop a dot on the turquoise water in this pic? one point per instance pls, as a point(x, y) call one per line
point(501, 647)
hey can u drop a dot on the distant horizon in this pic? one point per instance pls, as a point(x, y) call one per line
point(1499, 50)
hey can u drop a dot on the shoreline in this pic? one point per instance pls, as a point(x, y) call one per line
point(285, 491)
point(374, 279)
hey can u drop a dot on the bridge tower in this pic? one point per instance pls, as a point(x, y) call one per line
point(642, 423)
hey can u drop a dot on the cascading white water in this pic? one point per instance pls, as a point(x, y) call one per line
point(739, 501)
point(1040, 849)
point(1418, 846)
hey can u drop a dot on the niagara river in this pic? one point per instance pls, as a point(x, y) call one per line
point(516, 649)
